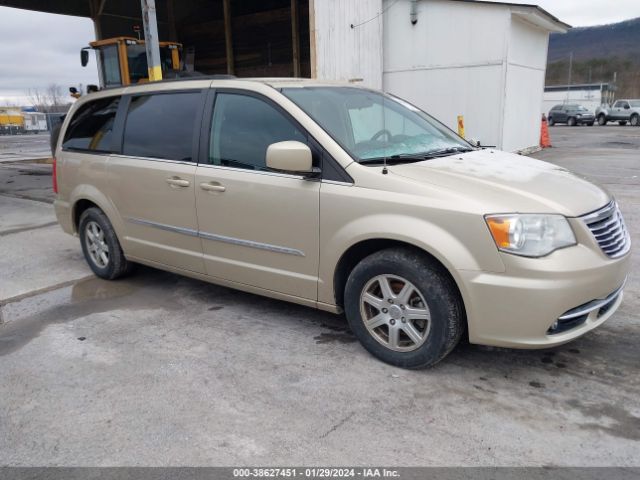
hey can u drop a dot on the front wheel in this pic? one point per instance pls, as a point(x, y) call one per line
point(100, 245)
point(404, 308)
point(551, 122)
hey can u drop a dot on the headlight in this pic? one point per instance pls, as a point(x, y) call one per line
point(530, 235)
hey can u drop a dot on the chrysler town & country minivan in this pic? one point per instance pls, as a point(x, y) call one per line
point(344, 199)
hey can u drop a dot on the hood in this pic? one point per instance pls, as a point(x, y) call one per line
point(508, 183)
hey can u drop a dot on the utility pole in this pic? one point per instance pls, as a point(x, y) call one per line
point(151, 39)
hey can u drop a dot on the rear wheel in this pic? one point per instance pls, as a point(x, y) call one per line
point(571, 122)
point(404, 308)
point(635, 119)
point(622, 123)
point(602, 119)
point(100, 245)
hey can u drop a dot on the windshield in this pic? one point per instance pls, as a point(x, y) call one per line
point(371, 125)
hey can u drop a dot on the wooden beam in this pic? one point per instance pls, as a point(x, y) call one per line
point(101, 7)
point(295, 37)
point(173, 33)
point(228, 38)
point(312, 40)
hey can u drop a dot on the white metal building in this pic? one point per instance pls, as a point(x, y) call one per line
point(483, 60)
point(590, 95)
point(35, 122)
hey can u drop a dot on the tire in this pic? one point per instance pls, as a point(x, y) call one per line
point(551, 122)
point(622, 123)
point(572, 122)
point(602, 119)
point(104, 254)
point(439, 316)
point(635, 120)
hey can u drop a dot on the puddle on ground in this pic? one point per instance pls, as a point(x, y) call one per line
point(622, 424)
point(26, 318)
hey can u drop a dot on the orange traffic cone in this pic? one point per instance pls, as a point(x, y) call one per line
point(545, 141)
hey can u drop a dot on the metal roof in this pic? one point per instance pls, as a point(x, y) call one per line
point(77, 8)
point(82, 8)
point(532, 6)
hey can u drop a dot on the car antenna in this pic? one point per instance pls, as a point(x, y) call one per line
point(384, 127)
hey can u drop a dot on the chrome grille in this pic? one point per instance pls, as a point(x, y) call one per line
point(609, 230)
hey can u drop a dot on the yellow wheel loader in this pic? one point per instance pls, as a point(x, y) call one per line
point(123, 61)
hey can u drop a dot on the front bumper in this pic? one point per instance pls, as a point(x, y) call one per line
point(520, 308)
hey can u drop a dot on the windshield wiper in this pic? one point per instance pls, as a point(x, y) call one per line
point(414, 157)
point(447, 151)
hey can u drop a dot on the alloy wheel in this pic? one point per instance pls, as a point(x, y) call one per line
point(395, 313)
point(96, 244)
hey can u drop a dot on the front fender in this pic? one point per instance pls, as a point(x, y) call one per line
point(474, 251)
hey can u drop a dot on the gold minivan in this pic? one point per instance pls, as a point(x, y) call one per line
point(343, 199)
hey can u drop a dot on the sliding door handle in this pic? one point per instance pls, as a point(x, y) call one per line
point(212, 187)
point(178, 182)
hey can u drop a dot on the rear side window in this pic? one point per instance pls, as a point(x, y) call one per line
point(244, 127)
point(162, 126)
point(91, 128)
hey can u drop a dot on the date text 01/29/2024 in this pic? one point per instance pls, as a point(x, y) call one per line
point(315, 473)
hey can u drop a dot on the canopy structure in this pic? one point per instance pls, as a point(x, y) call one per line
point(245, 38)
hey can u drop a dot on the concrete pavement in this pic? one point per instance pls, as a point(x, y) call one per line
point(24, 147)
point(158, 369)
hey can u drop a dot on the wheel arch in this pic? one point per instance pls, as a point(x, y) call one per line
point(86, 196)
point(362, 249)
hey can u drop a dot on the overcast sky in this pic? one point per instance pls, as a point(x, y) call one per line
point(37, 49)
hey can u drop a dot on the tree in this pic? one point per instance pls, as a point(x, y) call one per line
point(49, 99)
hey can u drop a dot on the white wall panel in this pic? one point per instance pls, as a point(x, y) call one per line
point(345, 53)
point(446, 93)
point(522, 118)
point(446, 34)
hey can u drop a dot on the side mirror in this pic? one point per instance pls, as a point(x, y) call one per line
point(289, 156)
point(627, 107)
point(84, 57)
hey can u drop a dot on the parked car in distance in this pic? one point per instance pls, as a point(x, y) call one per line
point(622, 111)
point(571, 114)
point(343, 199)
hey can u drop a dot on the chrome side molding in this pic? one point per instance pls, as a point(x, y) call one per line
point(218, 238)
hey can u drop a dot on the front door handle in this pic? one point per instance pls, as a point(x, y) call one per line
point(213, 187)
point(178, 182)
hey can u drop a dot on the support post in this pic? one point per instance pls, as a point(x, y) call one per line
point(312, 39)
point(295, 38)
point(228, 37)
point(151, 39)
point(173, 33)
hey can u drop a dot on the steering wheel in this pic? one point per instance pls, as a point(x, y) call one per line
point(380, 133)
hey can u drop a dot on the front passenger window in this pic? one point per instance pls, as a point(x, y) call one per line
point(243, 127)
